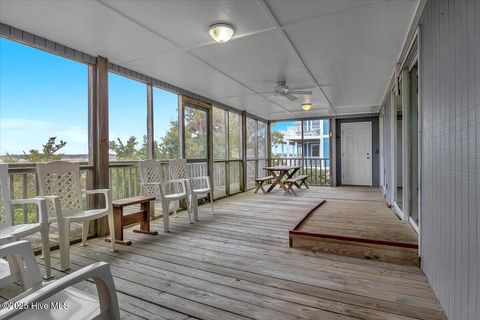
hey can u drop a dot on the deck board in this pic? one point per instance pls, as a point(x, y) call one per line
point(236, 264)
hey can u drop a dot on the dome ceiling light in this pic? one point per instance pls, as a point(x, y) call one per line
point(306, 106)
point(221, 32)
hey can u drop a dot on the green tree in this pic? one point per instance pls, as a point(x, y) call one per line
point(277, 137)
point(219, 134)
point(48, 153)
point(195, 133)
point(128, 150)
point(124, 151)
point(168, 146)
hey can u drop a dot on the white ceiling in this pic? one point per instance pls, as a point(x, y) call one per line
point(342, 50)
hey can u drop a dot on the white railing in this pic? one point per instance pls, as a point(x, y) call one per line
point(317, 169)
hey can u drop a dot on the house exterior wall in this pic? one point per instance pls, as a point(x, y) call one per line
point(450, 142)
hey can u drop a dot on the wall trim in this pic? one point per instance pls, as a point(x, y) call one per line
point(32, 40)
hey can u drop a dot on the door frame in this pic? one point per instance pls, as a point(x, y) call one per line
point(419, 149)
point(393, 150)
point(381, 124)
point(343, 145)
point(412, 58)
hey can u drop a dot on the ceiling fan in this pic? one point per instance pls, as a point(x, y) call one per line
point(281, 89)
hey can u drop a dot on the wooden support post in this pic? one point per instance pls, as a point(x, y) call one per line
point(210, 147)
point(244, 151)
point(181, 133)
point(150, 133)
point(227, 163)
point(100, 145)
point(331, 154)
point(269, 144)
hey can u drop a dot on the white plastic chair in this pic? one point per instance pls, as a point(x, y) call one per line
point(59, 183)
point(63, 301)
point(154, 184)
point(198, 181)
point(12, 232)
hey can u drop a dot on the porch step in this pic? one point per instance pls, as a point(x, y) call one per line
point(360, 229)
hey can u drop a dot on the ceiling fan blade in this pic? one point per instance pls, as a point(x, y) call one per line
point(303, 92)
point(290, 97)
point(271, 92)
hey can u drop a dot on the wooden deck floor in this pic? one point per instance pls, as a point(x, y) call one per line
point(363, 228)
point(237, 265)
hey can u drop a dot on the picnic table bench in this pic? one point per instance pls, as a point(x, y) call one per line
point(294, 181)
point(260, 181)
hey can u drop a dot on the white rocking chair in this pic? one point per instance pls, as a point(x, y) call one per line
point(62, 301)
point(9, 231)
point(198, 181)
point(59, 183)
point(154, 184)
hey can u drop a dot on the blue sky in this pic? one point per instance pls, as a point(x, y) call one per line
point(44, 95)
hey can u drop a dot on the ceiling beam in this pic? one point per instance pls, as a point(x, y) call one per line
point(294, 50)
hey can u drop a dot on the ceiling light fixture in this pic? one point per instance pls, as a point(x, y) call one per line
point(306, 106)
point(221, 32)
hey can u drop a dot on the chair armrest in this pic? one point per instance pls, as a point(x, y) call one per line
point(206, 178)
point(55, 201)
point(105, 192)
point(96, 191)
point(99, 272)
point(41, 204)
point(27, 271)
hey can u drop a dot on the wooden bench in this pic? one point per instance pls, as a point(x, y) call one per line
point(142, 217)
point(261, 181)
point(296, 181)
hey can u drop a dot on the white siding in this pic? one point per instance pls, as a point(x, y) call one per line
point(450, 106)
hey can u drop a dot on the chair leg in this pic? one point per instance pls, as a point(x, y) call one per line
point(111, 227)
point(165, 212)
point(176, 205)
point(64, 243)
point(211, 201)
point(46, 252)
point(194, 206)
point(189, 208)
point(85, 226)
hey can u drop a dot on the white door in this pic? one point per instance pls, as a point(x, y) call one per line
point(357, 153)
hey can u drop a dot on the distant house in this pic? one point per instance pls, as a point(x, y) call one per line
point(315, 143)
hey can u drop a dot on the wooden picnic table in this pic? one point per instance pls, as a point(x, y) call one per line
point(279, 173)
